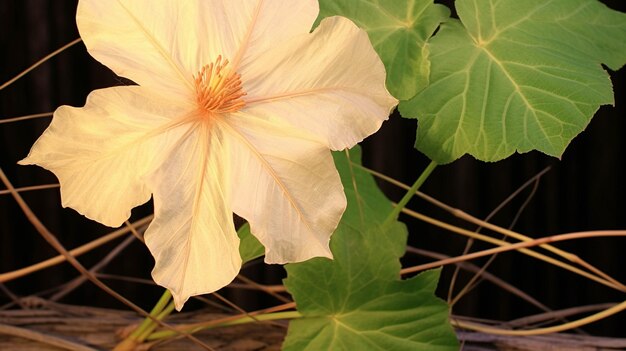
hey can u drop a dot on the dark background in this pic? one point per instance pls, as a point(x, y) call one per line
point(583, 191)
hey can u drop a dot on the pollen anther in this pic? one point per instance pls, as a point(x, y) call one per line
point(218, 89)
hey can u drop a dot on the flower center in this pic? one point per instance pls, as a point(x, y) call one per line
point(218, 90)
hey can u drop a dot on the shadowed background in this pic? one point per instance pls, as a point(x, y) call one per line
point(583, 191)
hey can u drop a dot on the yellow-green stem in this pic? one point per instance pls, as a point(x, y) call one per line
point(410, 193)
point(148, 323)
point(243, 320)
point(166, 312)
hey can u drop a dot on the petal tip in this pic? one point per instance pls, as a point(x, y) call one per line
point(179, 301)
point(25, 162)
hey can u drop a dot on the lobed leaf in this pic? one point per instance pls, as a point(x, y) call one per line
point(357, 301)
point(516, 76)
point(398, 30)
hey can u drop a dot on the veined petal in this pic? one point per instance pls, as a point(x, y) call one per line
point(330, 82)
point(286, 185)
point(163, 45)
point(192, 236)
point(270, 23)
point(141, 41)
point(100, 152)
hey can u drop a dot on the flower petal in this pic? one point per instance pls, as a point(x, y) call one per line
point(163, 45)
point(101, 151)
point(286, 185)
point(148, 43)
point(270, 23)
point(192, 237)
point(330, 82)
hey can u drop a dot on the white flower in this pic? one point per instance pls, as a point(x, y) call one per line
point(236, 110)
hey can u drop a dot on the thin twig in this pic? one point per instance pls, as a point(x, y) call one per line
point(517, 246)
point(483, 274)
point(461, 214)
point(30, 188)
point(266, 288)
point(134, 231)
point(471, 234)
point(216, 322)
point(548, 315)
point(473, 282)
point(270, 290)
point(541, 331)
point(213, 304)
point(36, 64)
point(234, 306)
point(563, 341)
point(124, 278)
point(14, 298)
point(493, 241)
point(43, 338)
point(27, 117)
point(135, 280)
point(571, 257)
point(78, 281)
point(242, 311)
point(54, 242)
point(468, 266)
point(8, 276)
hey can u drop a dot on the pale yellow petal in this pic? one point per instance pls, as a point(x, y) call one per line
point(269, 23)
point(155, 44)
point(286, 185)
point(100, 152)
point(163, 44)
point(192, 237)
point(330, 83)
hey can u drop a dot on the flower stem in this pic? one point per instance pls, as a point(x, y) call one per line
point(211, 325)
point(161, 310)
point(150, 328)
point(409, 194)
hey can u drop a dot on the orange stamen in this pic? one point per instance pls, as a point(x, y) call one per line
point(218, 90)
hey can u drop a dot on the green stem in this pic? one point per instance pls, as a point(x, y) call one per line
point(149, 323)
point(148, 330)
point(409, 194)
point(243, 320)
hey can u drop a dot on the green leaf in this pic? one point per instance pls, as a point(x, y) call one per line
point(398, 30)
point(516, 75)
point(357, 301)
point(249, 247)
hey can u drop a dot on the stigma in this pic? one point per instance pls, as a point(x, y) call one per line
point(218, 89)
